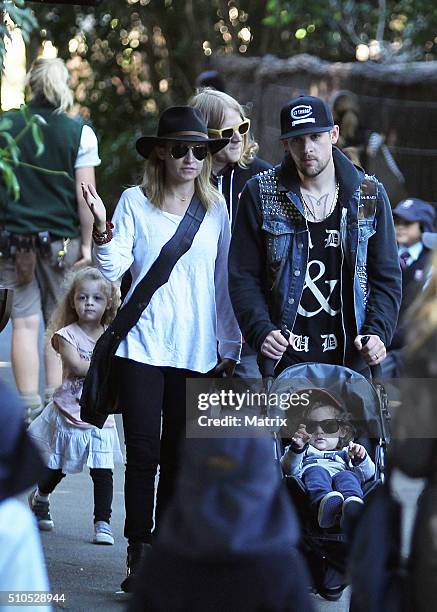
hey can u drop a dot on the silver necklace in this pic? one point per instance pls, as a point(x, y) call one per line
point(311, 212)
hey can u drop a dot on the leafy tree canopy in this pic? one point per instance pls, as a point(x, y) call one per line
point(131, 58)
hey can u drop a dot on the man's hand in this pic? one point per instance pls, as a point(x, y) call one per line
point(300, 438)
point(356, 452)
point(86, 259)
point(225, 365)
point(373, 351)
point(275, 345)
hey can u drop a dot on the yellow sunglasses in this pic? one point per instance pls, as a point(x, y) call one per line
point(242, 128)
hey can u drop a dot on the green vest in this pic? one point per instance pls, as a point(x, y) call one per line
point(46, 202)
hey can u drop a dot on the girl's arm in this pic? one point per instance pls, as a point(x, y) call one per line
point(71, 359)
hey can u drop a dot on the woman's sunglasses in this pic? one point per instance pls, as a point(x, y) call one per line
point(241, 128)
point(178, 151)
point(329, 426)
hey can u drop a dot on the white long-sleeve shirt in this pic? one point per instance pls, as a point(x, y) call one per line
point(192, 313)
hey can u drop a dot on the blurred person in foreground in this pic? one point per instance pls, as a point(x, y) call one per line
point(47, 230)
point(229, 539)
point(414, 442)
point(22, 566)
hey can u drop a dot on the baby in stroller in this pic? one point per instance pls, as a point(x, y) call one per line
point(331, 466)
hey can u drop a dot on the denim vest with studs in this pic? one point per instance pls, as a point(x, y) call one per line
point(286, 233)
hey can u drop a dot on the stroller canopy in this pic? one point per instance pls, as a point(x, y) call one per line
point(352, 390)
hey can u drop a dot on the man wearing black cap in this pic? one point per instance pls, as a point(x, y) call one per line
point(314, 250)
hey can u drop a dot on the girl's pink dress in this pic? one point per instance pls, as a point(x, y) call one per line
point(67, 442)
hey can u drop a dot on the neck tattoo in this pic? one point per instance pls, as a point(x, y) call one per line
point(318, 209)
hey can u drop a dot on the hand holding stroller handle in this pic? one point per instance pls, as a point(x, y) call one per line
point(267, 364)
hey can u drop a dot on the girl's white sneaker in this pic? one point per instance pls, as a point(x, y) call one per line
point(103, 533)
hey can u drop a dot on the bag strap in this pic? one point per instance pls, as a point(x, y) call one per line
point(160, 270)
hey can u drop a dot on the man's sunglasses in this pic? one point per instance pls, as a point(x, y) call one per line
point(329, 426)
point(178, 151)
point(241, 128)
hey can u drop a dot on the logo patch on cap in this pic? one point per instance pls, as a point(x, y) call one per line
point(301, 114)
point(407, 204)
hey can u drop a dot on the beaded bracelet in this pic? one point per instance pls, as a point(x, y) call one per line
point(103, 237)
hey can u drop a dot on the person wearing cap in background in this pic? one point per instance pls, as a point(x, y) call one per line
point(314, 249)
point(412, 217)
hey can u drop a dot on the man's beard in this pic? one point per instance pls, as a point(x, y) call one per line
point(313, 171)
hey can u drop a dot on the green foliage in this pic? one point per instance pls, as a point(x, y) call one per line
point(21, 16)
point(129, 59)
point(10, 151)
point(333, 28)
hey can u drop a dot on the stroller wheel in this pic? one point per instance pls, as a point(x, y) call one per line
point(333, 593)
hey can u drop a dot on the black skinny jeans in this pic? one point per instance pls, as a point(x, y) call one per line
point(103, 489)
point(146, 392)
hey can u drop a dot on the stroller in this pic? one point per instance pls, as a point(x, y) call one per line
point(325, 549)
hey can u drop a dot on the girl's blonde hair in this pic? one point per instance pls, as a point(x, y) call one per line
point(48, 81)
point(423, 312)
point(213, 105)
point(153, 183)
point(65, 313)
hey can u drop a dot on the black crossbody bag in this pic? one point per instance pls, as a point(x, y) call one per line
point(100, 394)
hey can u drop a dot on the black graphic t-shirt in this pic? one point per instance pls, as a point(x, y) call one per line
point(318, 329)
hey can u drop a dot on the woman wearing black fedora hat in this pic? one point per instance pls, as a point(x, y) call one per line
point(187, 319)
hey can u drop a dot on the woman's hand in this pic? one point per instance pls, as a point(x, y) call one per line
point(95, 205)
point(225, 365)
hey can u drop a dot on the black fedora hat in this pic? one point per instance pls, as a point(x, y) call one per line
point(180, 124)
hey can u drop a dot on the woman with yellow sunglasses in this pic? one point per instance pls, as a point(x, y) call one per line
point(236, 163)
point(232, 167)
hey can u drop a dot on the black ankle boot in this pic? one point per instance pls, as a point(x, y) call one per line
point(135, 555)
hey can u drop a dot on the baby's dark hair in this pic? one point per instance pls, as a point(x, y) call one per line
point(344, 417)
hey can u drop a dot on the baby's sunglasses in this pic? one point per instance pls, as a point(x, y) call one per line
point(242, 128)
point(179, 150)
point(328, 426)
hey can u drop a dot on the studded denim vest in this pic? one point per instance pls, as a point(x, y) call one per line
point(286, 235)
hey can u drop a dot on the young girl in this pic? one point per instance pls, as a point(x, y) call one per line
point(67, 443)
point(331, 466)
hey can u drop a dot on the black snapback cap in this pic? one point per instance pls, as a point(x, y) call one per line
point(305, 115)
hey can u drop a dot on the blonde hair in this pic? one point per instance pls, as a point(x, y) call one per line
point(48, 81)
point(423, 312)
point(65, 313)
point(153, 184)
point(213, 105)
